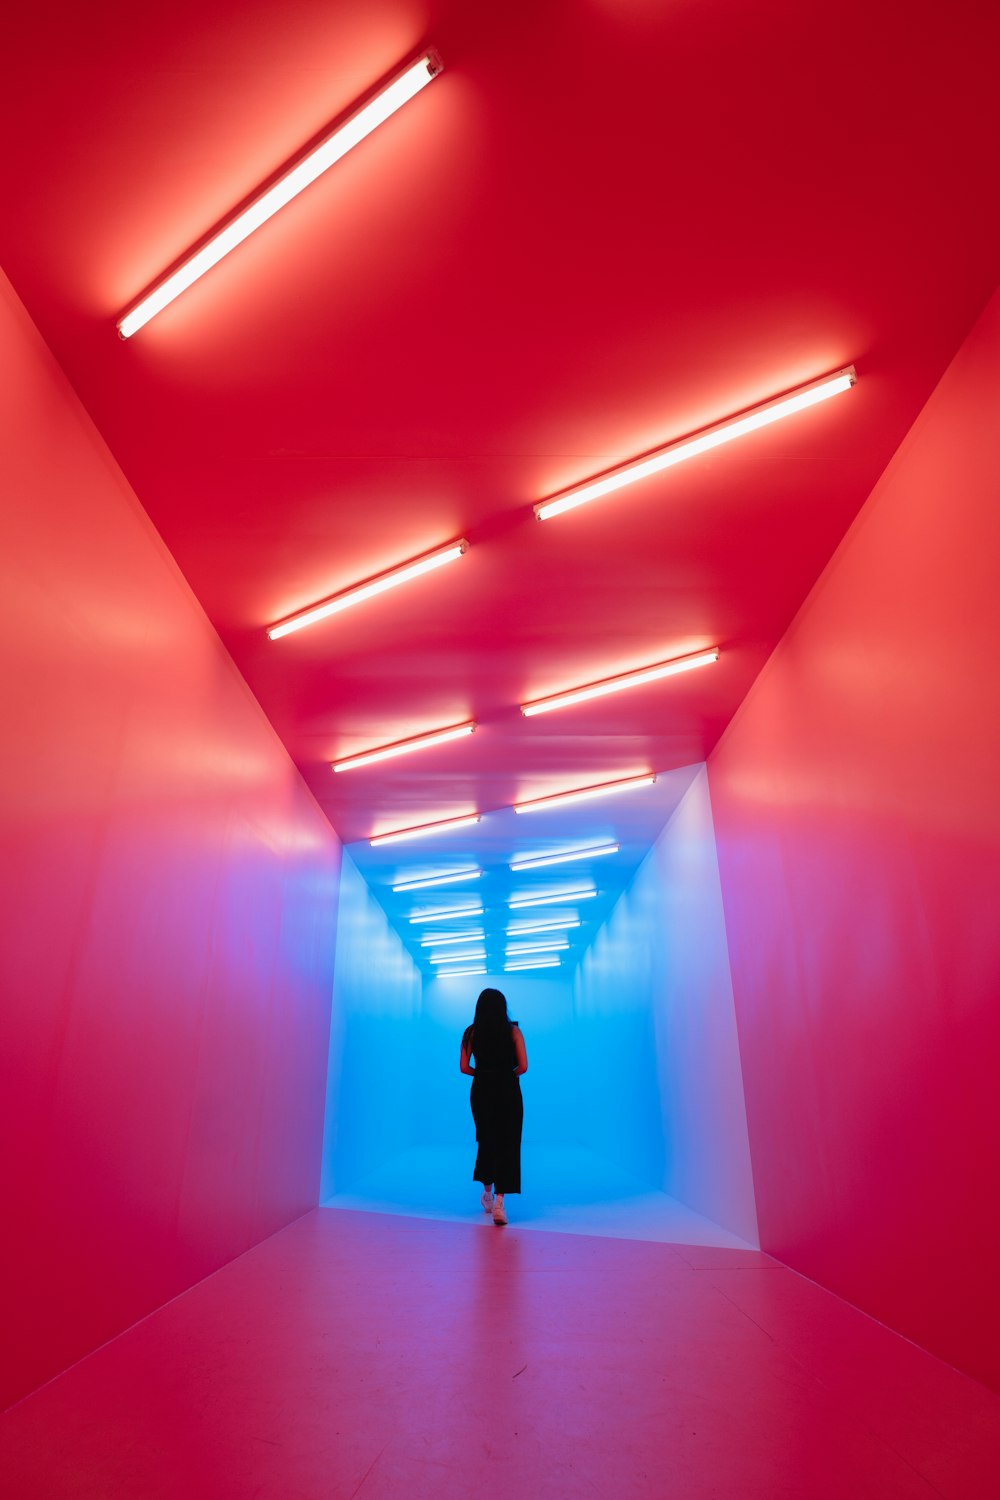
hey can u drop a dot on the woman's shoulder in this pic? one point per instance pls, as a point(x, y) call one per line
point(466, 1036)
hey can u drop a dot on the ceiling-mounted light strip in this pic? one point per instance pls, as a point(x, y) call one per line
point(525, 949)
point(617, 684)
point(423, 830)
point(539, 963)
point(427, 881)
point(552, 898)
point(447, 914)
point(456, 973)
point(377, 585)
point(404, 747)
point(527, 929)
point(537, 861)
point(607, 789)
point(454, 958)
point(700, 442)
point(451, 939)
point(330, 150)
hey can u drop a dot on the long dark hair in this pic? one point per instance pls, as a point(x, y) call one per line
point(490, 1029)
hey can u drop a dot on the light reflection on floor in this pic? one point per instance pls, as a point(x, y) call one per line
point(565, 1188)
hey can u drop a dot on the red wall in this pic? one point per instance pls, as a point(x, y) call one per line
point(857, 807)
point(168, 892)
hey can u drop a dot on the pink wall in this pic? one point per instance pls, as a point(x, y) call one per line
point(857, 810)
point(168, 889)
point(655, 1028)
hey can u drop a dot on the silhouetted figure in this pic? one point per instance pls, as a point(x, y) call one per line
point(496, 1043)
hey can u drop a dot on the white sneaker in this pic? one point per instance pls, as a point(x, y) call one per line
point(487, 1201)
point(499, 1212)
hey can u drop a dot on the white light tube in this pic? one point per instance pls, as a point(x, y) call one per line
point(539, 963)
point(527, 948)
point(566, 857)
point(606, 790)
point(442, 940)
point(455, 958)
point(337, 144)
point(423, 830)
point(616, 684)
point(433, 880)
point(527, 929)
point(690, 447)
point(368, 590)
point(403, 747)
point(456, 973)
point(447, 914)
point(517, 903)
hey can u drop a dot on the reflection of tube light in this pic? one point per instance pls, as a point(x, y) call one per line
point(368, 590)
point(527, 929)
point(423, 830)
point(517, 903)
point(539, 963)
point(565, 858)
point(584, 793)
point(451, 940)
point(616, 684)
point(456, 973)
point(447, 914)
point(433, 880)
point(690, 447)
point(454, 958)
point(523, 952)
point(403, 747)
point(337, 144)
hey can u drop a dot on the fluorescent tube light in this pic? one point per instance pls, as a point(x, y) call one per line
point(426, 881)
point(337, 144)
point(451, 939)
point(700, 442)
point(404, 747)
point(456, 973)
point(454, 958)
point(447, 914)
point(527, 929)
point(539, 963)
point(527, 948)
point(423, 830)
point(377, 585)
point(517, 903)
point(606, 790)
point(566, 857)
point(616, 684)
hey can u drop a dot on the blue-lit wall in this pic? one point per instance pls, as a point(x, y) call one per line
point(375, 1041)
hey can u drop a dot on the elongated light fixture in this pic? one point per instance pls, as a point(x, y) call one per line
point(700, 442)
point(447, 914)
point(337, 144)
point(451, 939)
point(527, 948)
point(404, 747)
point(553, 898)
point(608, 789)
point(537, 861)
point(377, 585)
point(527, 929)
point(454, 958)
point(617, 684)
point(427, 881)
point(423, 830)
point(538, 963)
point(456, 973)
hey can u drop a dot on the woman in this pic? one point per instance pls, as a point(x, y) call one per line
point(496, 1043)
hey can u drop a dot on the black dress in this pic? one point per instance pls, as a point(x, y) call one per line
point(497, 1109)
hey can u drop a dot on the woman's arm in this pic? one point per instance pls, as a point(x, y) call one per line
point(463, 1062)
point(521, 1050)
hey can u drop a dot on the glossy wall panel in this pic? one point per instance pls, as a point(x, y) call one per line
point(167, 898)
point(857, 807)
point(656, 1031)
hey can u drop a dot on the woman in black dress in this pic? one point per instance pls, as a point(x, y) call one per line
point(496, 1043)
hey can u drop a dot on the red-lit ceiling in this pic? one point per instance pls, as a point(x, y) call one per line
point(607, 223)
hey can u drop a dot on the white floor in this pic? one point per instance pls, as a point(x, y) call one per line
point(566, 1188)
